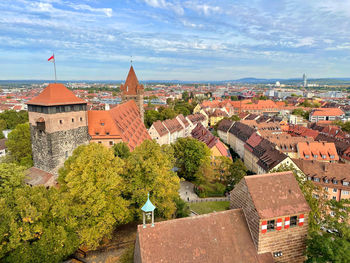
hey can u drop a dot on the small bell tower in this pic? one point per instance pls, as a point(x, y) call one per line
point(148, 212)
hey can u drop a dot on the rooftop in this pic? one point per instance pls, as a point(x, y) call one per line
point(55, 94)
point(284, 195)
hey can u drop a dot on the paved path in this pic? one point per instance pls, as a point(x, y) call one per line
point(188, 195)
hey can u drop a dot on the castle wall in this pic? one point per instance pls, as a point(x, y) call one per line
point(50, 150)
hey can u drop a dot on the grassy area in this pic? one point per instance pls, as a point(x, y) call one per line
point(208, 207)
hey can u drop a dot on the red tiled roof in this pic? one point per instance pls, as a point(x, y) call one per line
point(308, 151)
point(327, 112)
point(160, 128)
point(216, 237)
point(36, 177)
point(284, 195)
point(183, 120)
point(56, 94)
point(102, 125)
point(173, 125)
point(128, 119)
point(132, 85)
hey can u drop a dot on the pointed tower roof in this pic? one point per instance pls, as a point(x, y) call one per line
point(148, 206)
point(55, 94)
point(132, 85)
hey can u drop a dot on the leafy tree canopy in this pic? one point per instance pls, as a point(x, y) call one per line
point(121, 150)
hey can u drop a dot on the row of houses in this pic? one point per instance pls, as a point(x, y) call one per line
point(168, 131)
point(317, 161)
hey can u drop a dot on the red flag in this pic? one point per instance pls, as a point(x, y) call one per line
point(52, 57)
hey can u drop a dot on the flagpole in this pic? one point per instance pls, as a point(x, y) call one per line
point(54, 66)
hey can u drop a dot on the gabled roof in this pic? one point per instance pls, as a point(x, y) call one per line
point(128, 119)
point(317, 150)
point(102, 126)
point(160, 128)
point(241, 131)
point(216, 237)
point(327, 112)
point(173, 125)
point(55, 94)
point(183, 120)
point(225, 125)
point(276, 194)
point(131, 85)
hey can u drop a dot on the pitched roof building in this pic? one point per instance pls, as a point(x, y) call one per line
point(319, 151)
point(268, 223)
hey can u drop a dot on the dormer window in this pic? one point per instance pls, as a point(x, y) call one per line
point(102, 124)
point(332, 156)
point(97, 133)
point(315, 156)
point(326, 180)
point(324, 156)
point(335, 181)
point(345, 183)
point(293, 221)
point(307, 156)
point(316, 179)
point(107, 133)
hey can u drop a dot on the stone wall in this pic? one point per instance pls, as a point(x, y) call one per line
point(50, 150)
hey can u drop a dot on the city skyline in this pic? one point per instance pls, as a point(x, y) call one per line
point(184, 40)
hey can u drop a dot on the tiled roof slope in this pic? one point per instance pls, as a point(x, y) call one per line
point(173, 125)
point(183, 120)
point(284, 195)
point(128, 119)
point(202, 134)
point(271, 158)
point(131, 85)
point(55, 94)
point(225, 125)
point(195, 118)
point(241, 131)
point(102, 125)
point(330, 171)
point(317, 151)
point(327, 112)
point(217, 237)
point(160, 128)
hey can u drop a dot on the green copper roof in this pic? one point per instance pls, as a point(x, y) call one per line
point(148, 206)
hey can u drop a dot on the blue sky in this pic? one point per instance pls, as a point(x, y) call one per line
point(172, 39)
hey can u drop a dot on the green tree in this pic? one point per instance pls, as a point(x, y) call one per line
point(167, 113)
point(149, 170)
point(150, 117)
point(121, 150)
point(234, 98)
point(30, 230)
point(19, 145)
point(185, 96)
point(13, 118)
point(190, 154)
point(91, 186)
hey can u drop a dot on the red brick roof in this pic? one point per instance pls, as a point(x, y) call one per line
point(102, 125)
point(173, 125)
point(276, 194)
point(35, 176)
point(128, 119)
point(132, 85)
point(217, 237)
point(56, 94)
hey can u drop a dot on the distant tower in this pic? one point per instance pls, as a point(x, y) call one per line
point(58, 124)
point(148, 211)
point(304, 80)
point(132, 90)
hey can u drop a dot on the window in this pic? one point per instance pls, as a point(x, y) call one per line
point(335, 190)
point(111, 143)
point(309, 178)
point(345, 192)
point(315, 156)
point(335, 181)
point(107, 133)
point(334, 198)
point(345, 183)
point(326, 180)
point(97, 133)
point(332, 213)
point(316, 179)
point(66, 153)
point(324, 156)
point(99, 142)
point(102, 124)
point(271, 225)
point(307, 156)
point(293, 221)
point(81, 118)
point(326, 188)
point(61, 122)
point(332, 156)
point(72, 119)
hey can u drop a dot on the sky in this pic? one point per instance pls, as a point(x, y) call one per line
point(174, 40)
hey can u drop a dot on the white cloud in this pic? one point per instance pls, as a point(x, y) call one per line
point(176, 7)
point(107, 11)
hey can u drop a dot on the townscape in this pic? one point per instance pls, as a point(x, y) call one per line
point(153, 131)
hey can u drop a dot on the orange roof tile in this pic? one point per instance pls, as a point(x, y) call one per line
point(102, 125)
point(56, 94)
point(320, 151)
point(128, 119)
point(327, 112)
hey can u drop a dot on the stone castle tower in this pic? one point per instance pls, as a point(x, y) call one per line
point(58, 124)
point(132, 90)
